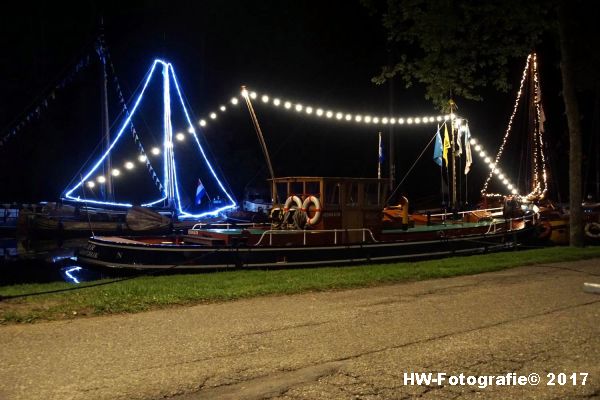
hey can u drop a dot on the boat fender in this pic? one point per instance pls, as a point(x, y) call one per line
point(544, 229)
point(288, 203)
point(592, 230)
point(305, 206)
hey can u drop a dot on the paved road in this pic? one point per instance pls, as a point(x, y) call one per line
point(354, 344)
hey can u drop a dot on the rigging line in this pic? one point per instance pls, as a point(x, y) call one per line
point(411, 168)
point(47, 88)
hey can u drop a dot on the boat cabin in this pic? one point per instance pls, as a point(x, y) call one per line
point(330, 203)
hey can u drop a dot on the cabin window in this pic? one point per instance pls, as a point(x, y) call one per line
point(332, 193)
point(371, 194)
point(312, 188)
point(296, 188)
point(352, 194)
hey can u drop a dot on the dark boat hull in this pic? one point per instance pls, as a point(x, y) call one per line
point(107, 253)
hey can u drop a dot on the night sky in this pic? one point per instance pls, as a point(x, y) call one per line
point(316, 53)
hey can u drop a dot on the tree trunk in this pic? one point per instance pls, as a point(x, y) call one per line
point(576, 238)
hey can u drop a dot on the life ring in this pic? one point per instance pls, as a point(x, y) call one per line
point(592, 230)
point(292, 199)
point(315, 218)
point(544, 229)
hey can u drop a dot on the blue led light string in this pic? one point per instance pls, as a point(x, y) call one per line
point(208, 164)
point(116, 139)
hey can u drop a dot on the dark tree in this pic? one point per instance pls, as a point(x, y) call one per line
point(459, 47)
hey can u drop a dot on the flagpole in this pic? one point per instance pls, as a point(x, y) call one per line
point(379, 157)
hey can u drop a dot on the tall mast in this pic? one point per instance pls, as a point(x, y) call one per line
point(109, 196)
point(169, 158)
point(453, 146)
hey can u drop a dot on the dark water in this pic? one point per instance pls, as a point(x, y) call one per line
point(23, 261)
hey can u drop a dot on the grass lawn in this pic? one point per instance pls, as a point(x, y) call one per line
point(152, 292)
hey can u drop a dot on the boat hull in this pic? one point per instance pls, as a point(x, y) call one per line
point(128, 254)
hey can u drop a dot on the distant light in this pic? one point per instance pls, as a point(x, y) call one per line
point(339, 115)
point(202, 122)
point(368, 119)
point(319, 112)
point(244, 93)
point(400, 121)
point(501, 176)
point(309, 110)
point(234, 101)
point(375, 120)
point(417, 121)
point(213, 115)
point(482, 154)
point(514, 191)
point(180, 137)
point(439, 118)
point(287, 105)
point(409, 121)
point(510, 187)
point(91, 184)
point(298, 107)
point(472, 141)
point(191, 130)
point(487, 160)
point(358, 118)
point(253, 95)
point(329, 114)
point(129, 165)
point(265, 98)
point(446, 117)
point(276, 102)
point(101, 179)
point(505, 181)
point(155, 151)
point(478, 148)
point(392, 121)
point(115, 172)
point(223, 108)
point(142, 158)
point(384, 121)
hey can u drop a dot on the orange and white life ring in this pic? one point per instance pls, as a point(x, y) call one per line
point(312, 221)
point(592, 230)
point(288, 203)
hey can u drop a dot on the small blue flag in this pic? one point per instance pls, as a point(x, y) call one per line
point(437, 151)
point(200, 192)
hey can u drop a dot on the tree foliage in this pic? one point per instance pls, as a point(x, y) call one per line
point(459, 47)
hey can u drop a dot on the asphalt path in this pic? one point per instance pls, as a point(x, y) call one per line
point(351, 344)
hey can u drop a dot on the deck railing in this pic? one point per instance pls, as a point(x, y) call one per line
point(365, 232)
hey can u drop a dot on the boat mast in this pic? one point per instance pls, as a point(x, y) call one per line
point(169, 158)
point(261, 138)
point(108, 194)
point(453, 145)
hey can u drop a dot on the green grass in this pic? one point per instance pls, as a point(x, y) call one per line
point(152, 292)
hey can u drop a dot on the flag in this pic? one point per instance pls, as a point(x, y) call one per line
point(437, 150)
point(200, 192)
point(469, 159)
point(446, 144)
point(380, 150)
point(458, 141)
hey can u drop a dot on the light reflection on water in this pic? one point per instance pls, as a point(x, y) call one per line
point(43, 261)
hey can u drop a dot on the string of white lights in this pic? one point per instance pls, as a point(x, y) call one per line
point(322, 112)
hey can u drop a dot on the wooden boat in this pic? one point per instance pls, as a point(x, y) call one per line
point(323, 221)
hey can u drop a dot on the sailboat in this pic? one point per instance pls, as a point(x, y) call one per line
point(139, 183)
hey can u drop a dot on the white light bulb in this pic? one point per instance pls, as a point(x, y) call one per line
point(202, 122)
point(478, 148)
point(439, 118)
point(142, 158)
point(417, 121)
point(115, 172)
point(319, 112)
point(222, 108)
point(234, 101)
point(368, 119)
point(358, 118)
point(329, 114)
point(287, 105)
point(487, 160)
point(514, 191)
point(492, 165)
point(472, 141)
point(265, 98)
point(339, 115)
point(180, 136)
point(348, 117)
point(253, 95)
point(244, 93)
point(505, 181)
point(129, 165)
point(497, 171)
point(155, 151)
point(375, 120)
point(501, 176)
point(384, 121)
point(392, 121)
point(309, 110)
point(276, 102)
point(401, 121)
point(409, 121)
point(191, 130)
point(91, 184)
point(213, 115)
point(101, 179)
point(298, 107)
point(509, 187)
point(446, 117)
point(482, 154)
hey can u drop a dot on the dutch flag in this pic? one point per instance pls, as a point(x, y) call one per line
point(200, 192)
